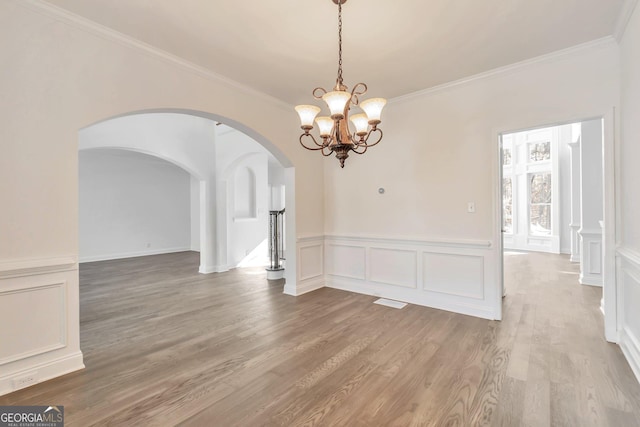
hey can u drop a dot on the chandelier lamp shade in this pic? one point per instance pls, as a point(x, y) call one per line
point(336, 135)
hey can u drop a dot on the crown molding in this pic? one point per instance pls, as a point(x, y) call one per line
point(507, 69)
point(623, 19)
point(92, 27)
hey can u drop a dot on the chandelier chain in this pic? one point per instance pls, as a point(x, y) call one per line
point(339, 81)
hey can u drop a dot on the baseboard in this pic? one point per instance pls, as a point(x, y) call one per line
point(590, 281)
point(382, 292)
point(631, 349)
point(213, 269)
point(304, 286)
point(44, 371)
point(133, 254)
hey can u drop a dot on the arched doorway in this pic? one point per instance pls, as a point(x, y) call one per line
point(189, 140)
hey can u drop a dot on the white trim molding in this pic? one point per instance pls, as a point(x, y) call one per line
point(575, 242)
point(42, 372)
point(550, 57)
point(628, 275)
point(29, 267)
point(425, 241)
point(623, 19)
point(452, 275)
point(203, 269)
point(109, 257)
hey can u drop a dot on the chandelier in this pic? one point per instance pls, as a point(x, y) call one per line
point(334, 130)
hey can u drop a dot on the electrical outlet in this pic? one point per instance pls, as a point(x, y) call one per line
point(471, 207)
point(25, 381)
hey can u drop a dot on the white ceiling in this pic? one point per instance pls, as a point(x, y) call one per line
point(285, 48)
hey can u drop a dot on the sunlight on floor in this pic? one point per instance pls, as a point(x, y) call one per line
point(258, 257)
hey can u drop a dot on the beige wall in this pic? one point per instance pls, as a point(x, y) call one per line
point(58, 75)
point(439, 153)
point(630, 124)
point(57, 78)
point(440, 148)
point(628, 262)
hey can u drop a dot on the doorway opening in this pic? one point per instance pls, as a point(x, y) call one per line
point(212, 188)
point(556, 199)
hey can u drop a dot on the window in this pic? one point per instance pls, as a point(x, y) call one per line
point(507, 203)
point(539, 151)
point(506, 156)
point(540, 204)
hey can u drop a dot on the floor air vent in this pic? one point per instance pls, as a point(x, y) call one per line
point(390, 303)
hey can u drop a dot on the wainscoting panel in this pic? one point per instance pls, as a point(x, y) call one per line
point(628, 277)
point(42, 326)
point(456, 276)
point(595, 258)
point(591, 257)
point(41, 339)
point(461, 275)
point(310, 266)
point(346, 261)
point(310, 261)
point(393, 267)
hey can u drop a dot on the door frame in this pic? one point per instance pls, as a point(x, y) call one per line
point(610, 291)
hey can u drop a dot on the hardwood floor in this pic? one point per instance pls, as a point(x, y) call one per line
point(164, 346)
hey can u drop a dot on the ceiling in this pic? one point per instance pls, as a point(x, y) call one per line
point(285, 48)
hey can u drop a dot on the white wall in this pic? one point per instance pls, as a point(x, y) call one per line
point(194, 195)
point(628, 262)
point(236, 155)
point(185, 140)
point(439, 152)
point(60, 73)
point(131, 205)
point(248, 231)
point(216, 156)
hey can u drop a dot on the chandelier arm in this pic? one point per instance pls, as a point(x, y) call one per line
point(322, 92)
point(327, 154)
point(320, 146)
point(366, 143)
point(364, 149)
point(356, 91)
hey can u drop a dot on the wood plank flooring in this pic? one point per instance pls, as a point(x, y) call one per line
point(165, 346)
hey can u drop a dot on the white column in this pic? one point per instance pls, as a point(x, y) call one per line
point(591, 212)
point(576, 203)
point(222, 227)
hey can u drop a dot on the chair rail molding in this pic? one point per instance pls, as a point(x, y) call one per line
point(28, 267)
